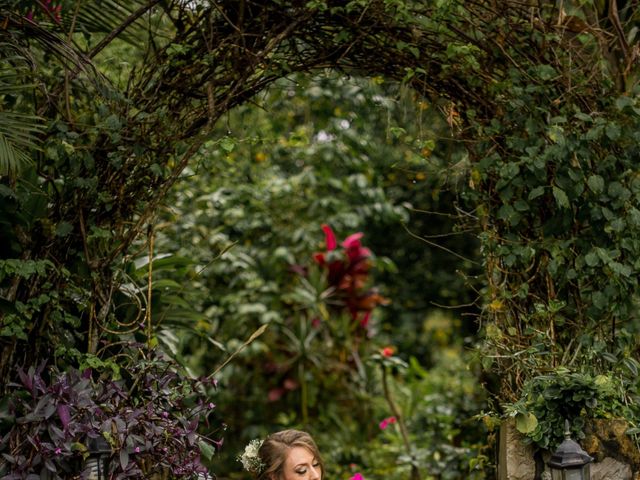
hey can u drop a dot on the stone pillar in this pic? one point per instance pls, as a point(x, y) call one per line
point(616, 455)
point(515, 459)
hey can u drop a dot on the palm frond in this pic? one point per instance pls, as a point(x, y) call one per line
point(18, 135)
point(19, 131)
point(106, 16)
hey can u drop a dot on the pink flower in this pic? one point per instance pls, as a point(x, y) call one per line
point(354, 248)
point(386, 422)
point(357, 476)
point(211, 405)
point(290, 384)
point(329, 237)
point(275, 394)
point(137, 449)
point(58, 451)
point(353, 240)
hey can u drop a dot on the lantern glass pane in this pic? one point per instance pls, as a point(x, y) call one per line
point(573, 474)
point(92, 469)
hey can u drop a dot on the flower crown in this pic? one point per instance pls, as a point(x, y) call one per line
point(250, 459)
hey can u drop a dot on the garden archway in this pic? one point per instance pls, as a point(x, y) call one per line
point(543, 95)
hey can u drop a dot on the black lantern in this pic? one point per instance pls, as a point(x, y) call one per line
point(570, 461)
point(97, 462)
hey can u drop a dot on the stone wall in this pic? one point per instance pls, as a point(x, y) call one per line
point(616, 455)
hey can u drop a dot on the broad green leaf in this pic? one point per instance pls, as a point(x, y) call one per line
point(536, 192)
point(207, 450)
point(561, 197)
point(526, 422)
point(613, 131)
point(596, 183)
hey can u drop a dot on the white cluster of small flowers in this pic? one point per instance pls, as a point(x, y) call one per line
point(250, 459)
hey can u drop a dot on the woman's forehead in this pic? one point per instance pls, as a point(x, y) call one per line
point(298, 455)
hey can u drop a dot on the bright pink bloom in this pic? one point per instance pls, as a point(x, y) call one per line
point(357, 476)
point(329, 237)
point(137, 450)
point(386, 422)
point(58, 451)
point(353, 240)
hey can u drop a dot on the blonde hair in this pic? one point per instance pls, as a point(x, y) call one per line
point(275, 448)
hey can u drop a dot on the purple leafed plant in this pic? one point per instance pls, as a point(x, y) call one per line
point(148, 422)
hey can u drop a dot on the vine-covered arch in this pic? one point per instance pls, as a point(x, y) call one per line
point(542, 94)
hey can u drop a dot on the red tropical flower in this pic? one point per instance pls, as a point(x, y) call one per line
point(388, 351)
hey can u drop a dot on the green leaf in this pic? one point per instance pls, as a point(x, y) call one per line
point(526, 422)
point(63, 229)
point(631, 364)
point(584, 117)
point(228, 144)
point(561, 197)
point(545, 72)
point(624, 101)
point(599, 300)
point(591, 259)
point(595, 183)
point(207, 450)
point(613, 131)
point(536, 192)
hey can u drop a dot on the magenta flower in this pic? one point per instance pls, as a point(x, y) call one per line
point(329, 237)
point(357, 476)
point(137, 449)
point(354, 248)
point(348, 273)
point(386, 422)
point(58, 451)
point(352, 240)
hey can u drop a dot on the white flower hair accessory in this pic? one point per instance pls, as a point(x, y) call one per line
point(250, 459)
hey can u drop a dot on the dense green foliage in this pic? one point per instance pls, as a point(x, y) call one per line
point(536, 148)
point(330, 150)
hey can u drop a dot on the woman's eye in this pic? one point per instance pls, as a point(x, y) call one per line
point(301, 472)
